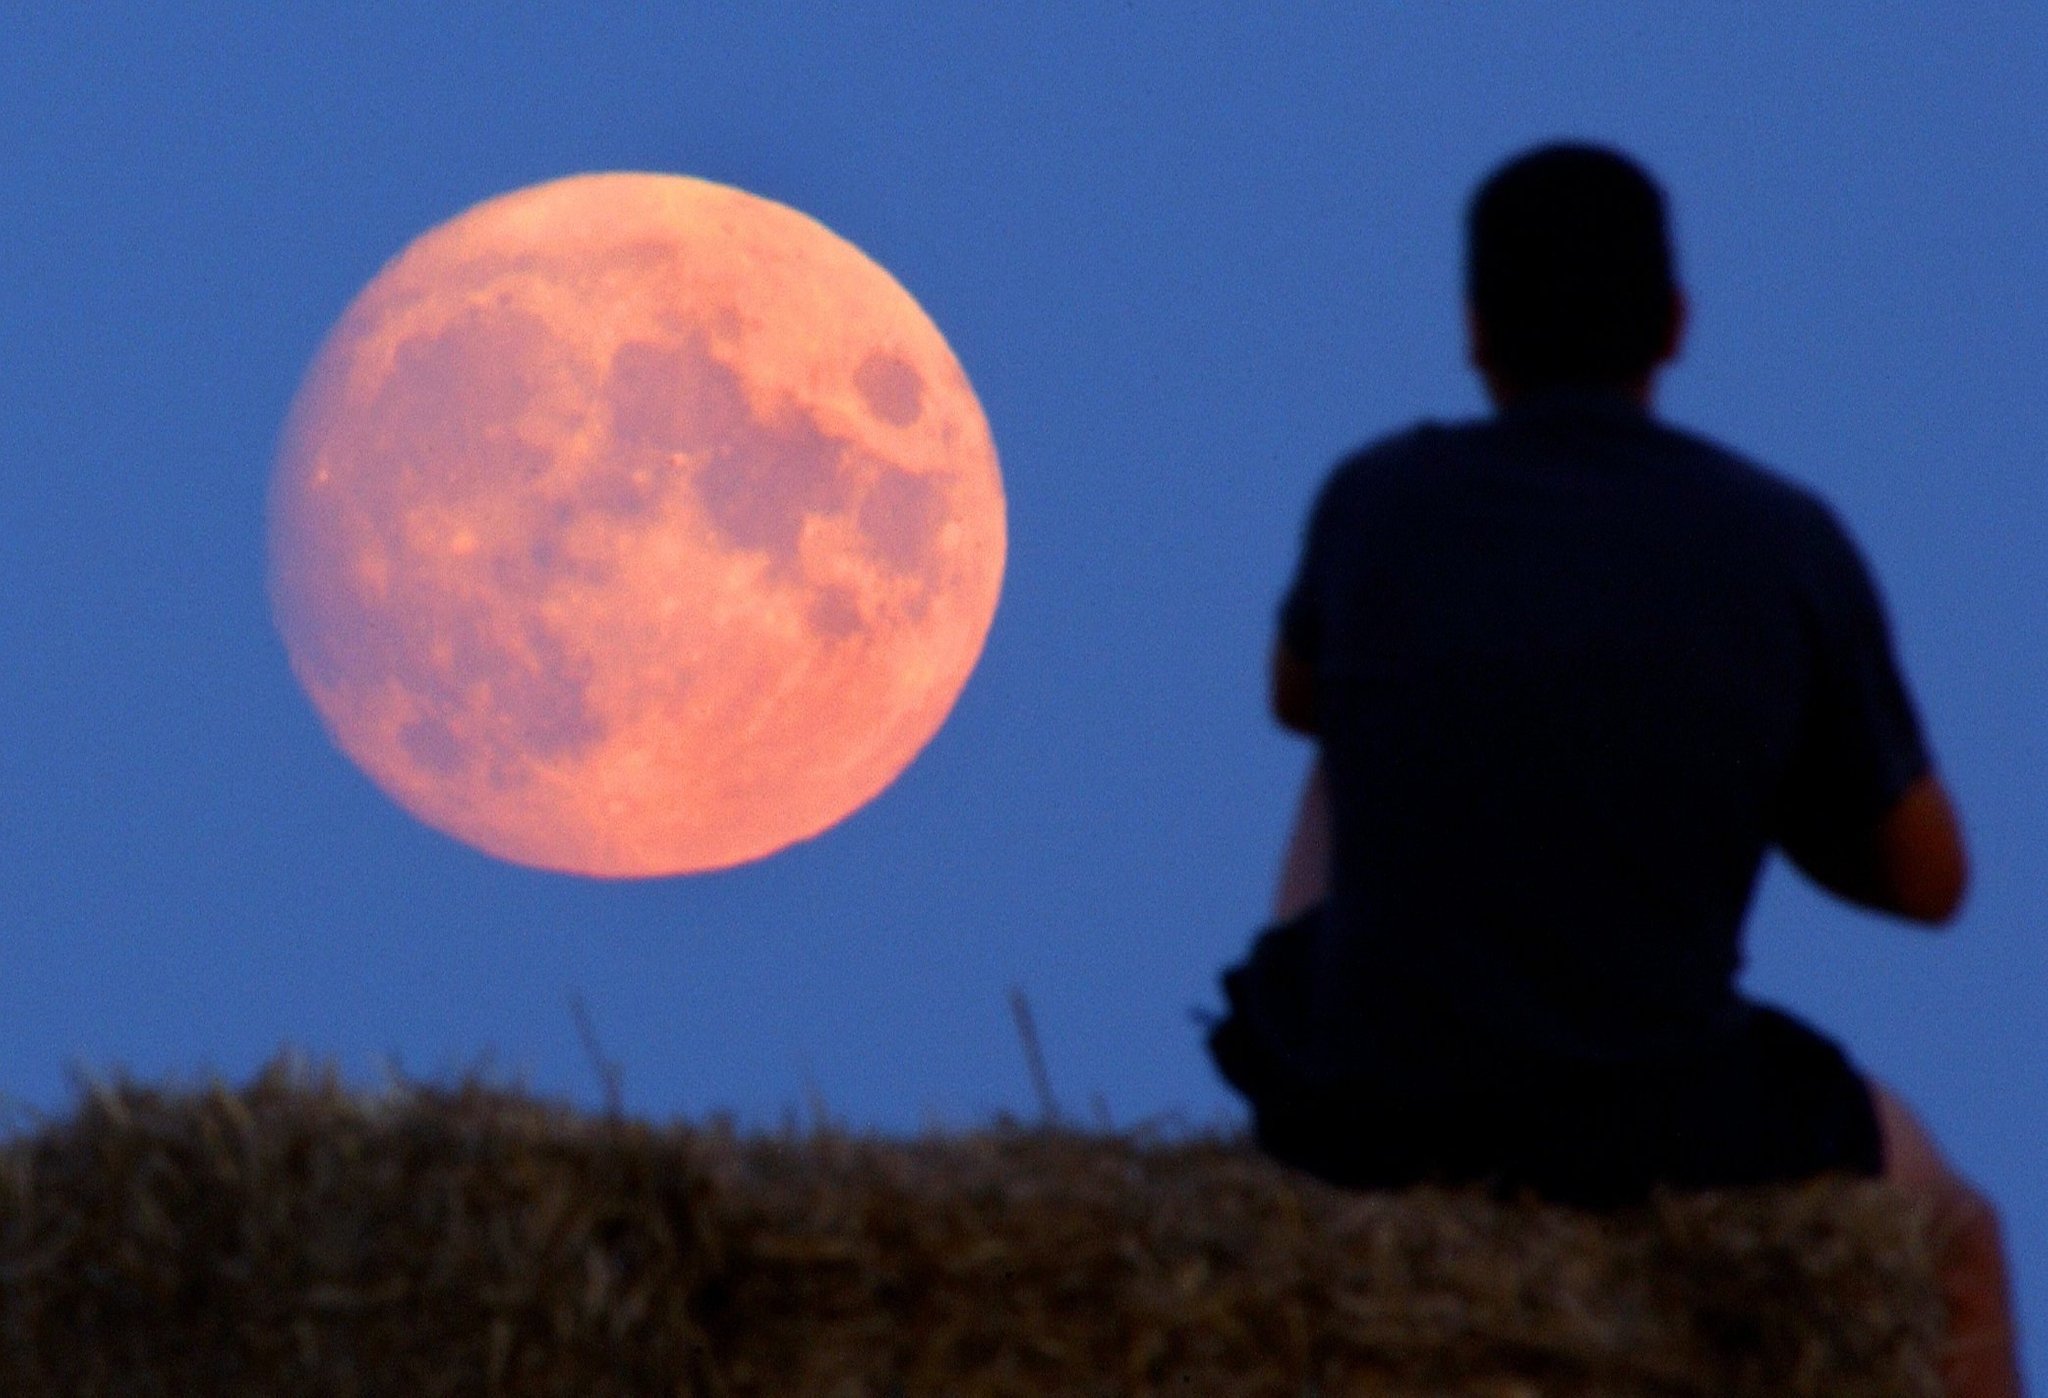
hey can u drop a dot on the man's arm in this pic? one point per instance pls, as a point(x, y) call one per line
point(1861, 741)
point(1913, 864)
point(1293, 692)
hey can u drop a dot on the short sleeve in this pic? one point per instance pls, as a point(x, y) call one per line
point(1860, 741)
point(1301, 608)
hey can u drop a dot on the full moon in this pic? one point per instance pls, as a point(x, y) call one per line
point(632, 525)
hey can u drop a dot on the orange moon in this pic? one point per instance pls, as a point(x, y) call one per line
point(632, 525)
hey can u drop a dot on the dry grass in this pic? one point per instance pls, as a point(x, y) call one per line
point(294, 1238)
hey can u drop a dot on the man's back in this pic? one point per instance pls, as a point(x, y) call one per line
point(1575, 672)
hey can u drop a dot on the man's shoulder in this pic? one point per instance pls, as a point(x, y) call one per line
point(1397, 455)
point(1683, 456)
point(1704, 468)
point(1761, 498)
point(1717, 463)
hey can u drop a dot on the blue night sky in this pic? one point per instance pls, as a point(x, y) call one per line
point(1188, 254)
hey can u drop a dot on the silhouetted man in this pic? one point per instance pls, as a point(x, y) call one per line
point(1572, 674)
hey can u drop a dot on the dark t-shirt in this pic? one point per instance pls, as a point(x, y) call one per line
point(1576, 672)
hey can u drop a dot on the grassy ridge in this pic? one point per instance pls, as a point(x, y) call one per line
point(295, 1238)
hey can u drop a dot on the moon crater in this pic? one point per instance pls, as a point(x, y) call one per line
point(633, 525)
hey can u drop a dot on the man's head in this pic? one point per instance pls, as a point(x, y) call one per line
point(1568, 272)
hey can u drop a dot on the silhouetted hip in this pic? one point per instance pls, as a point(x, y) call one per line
point(1772, 1101)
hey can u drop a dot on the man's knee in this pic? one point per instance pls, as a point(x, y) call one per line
point(1911, 1159)
point(1970, 1209)
point(1966, 1226)
point(1965, 1222)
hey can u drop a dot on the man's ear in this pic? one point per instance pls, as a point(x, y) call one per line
point(1681, 317)
point(1476, 349)
point(1479, 351)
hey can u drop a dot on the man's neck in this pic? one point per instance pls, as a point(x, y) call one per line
point(1505, 392)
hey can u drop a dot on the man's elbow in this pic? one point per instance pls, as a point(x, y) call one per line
point(1935, 897)
point(1924, 856)
point(1294, 694)
point(1295, 715)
